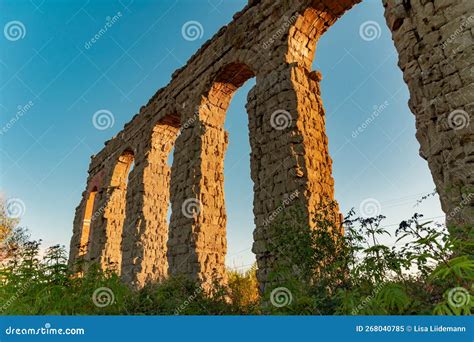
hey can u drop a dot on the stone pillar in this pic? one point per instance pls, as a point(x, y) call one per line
point(109, 214)
point(86, 226)
point(75, 247)
point(145, 232)
point(289, 158)
point(436, 54)
point(197, 240)
point(81, 241)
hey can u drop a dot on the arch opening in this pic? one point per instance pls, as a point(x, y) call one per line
point(164, 139)
point(123, 169)
point(86, 232)
point(169, 163)
point(115, 212)
point(361, 113)
point(225, 84)
point(238, 185)
point(220, 117)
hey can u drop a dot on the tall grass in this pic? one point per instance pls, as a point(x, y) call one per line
point(317, 271)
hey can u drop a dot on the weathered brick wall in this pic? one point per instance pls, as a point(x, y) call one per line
point(273, 41)
point(434, 40)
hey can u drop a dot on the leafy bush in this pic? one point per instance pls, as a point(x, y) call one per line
point(243, 290)
point(329, 272)
point(330, 269)
point(30, 285)
point(34, 286)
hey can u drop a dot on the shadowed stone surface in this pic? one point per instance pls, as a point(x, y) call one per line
point(275, 42)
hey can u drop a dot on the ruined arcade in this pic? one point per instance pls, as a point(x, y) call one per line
point(122, 220)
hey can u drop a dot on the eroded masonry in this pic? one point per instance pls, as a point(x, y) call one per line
point(122, 221)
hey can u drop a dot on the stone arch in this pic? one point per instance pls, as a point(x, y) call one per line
point(122, 169)
point(306, 26)
point(278, 40)
point(213, 106)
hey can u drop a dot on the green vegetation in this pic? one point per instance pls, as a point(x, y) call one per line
point(428, 271)
point(319, 271)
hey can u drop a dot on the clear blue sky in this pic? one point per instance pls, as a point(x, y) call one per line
point(44, 155)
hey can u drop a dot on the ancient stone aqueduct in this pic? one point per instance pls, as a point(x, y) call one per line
point(123, 224)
